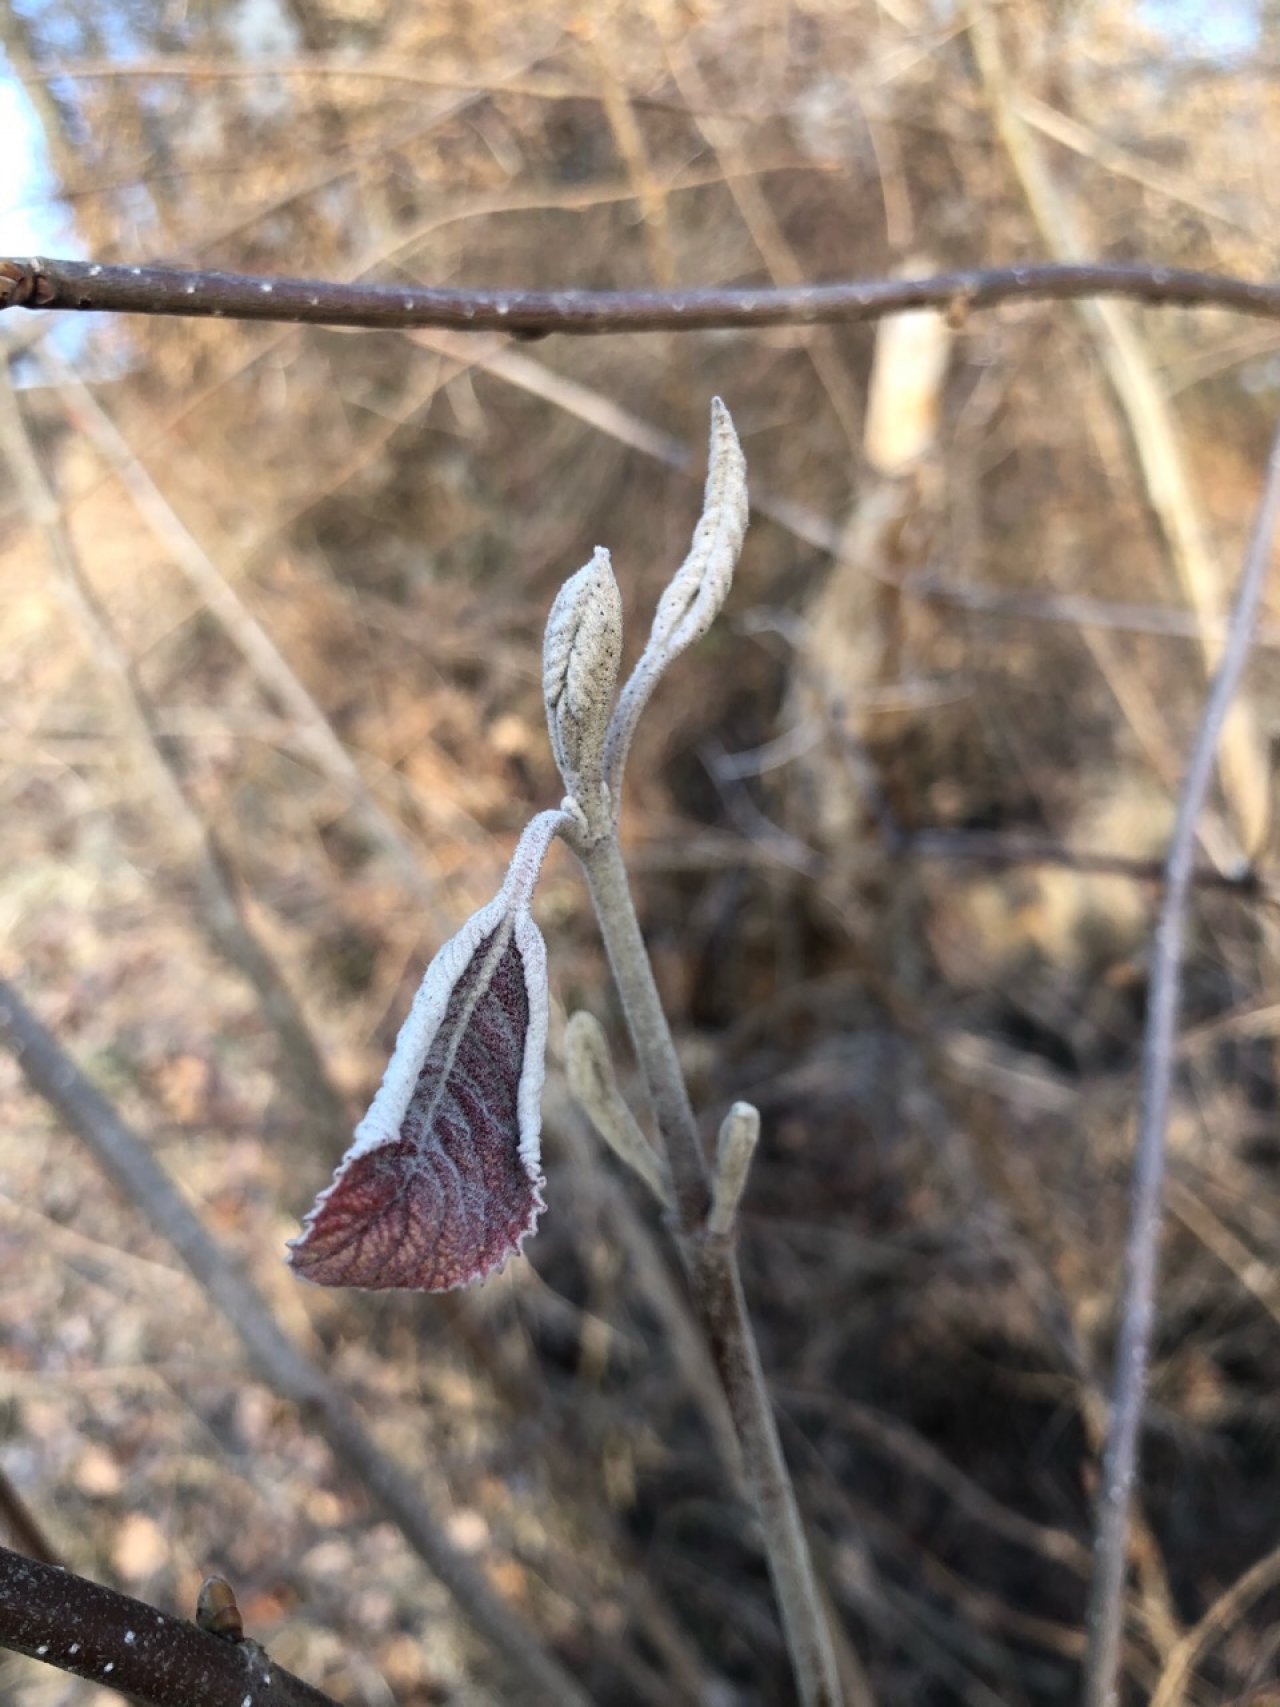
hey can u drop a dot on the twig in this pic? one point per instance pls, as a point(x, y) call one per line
point(1258, 1580)
point(521, 79)
point(45, 283)
point(998, 850)
point(1076, 610)
point(1120, 1459)
point(273, 1355)
point(726, 139)
point(109, 1638)
point(22, 1524)
point(1114, 158)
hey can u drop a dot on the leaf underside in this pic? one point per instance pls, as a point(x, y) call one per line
point(450, 1198)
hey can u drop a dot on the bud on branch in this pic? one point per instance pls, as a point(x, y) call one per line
point(581, 654)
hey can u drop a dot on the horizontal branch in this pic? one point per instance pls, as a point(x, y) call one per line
point(96, 1633)
point(93, 287)
point(997, 850)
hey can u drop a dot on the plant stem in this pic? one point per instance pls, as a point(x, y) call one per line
point(1137, 1316)
point(650, 1033)
point(716, 1285)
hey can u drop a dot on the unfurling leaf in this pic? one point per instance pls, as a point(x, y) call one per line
point(701, 584)
point(443, 1179)
point(695, 592)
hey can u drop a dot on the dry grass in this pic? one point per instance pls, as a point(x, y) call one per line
point(944, 1059)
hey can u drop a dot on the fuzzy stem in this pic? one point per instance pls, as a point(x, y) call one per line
point(716, 1284)
point(650, 1033)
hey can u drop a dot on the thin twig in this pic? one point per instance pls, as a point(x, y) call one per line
point(23, 1525)
point(44, 283)
point(95, 1633)
point(1075, 610)
point(727, 139)
point(1120, 1459)
point(998, 850)
point(1231, 1605)
point(273, 1355)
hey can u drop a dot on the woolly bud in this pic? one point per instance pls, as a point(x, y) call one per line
point(695, 592)
point(739, 1134)
point(701, 584)
point(589, 1068)
point(581, 652)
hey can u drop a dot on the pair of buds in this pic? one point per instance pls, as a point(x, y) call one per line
point(443, 1181)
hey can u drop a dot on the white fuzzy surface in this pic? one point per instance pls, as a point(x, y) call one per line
point(385, 1117)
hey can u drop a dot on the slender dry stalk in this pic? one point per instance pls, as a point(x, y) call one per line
point(1122, 162)
point(94, 287)
point(1076, 610)
point(247, 634)
point(1120, 1459)
point(23, 1525)
point(219, 908)
point(644, 183)
point(727, 140)
point(1230, 1605)
point(1162, 463)
point(108, 1638)
point(273, 1355)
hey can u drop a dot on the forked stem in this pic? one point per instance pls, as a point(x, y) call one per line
point(715, 1282)
point(650, 1034)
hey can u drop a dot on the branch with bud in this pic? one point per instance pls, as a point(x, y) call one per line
point(443, 1181)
